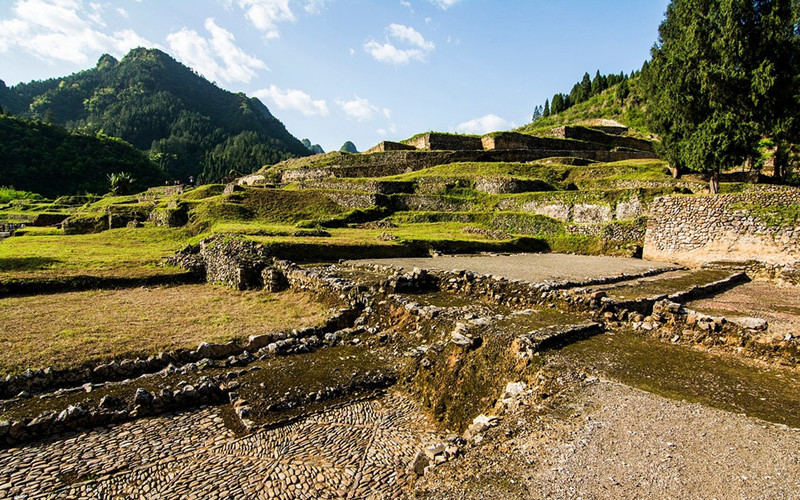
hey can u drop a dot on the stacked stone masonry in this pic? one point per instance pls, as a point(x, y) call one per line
point(598, 136)
point(695, 230)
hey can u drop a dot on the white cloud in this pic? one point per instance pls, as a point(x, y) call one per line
point(65, 30)
point(444, 4)
point(361, 109)
point(410, 35)
point(122, 12)
point(295, 100)
point(216, 58)
point(266, 14)
point(389, 53)
point(484, 125)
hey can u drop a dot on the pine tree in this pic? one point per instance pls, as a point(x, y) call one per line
point(722, 73)
point(546, 110)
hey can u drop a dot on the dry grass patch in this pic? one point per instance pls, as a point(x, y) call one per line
point(72, 329)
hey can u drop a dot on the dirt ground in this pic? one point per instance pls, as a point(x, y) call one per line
point(605, 440)
point(531, 267)
point(777, 303)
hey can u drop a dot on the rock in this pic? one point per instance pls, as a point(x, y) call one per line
point(142, 398)
point(111, 403)
point(432, 451)
point(419, 463)
point(513, 389)
point(460, 339)
point(750, 323)
point(479, 425)
point(71, 414)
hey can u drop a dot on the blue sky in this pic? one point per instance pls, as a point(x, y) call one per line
point(338, 70)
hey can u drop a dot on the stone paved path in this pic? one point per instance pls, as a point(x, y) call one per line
point(361, 450)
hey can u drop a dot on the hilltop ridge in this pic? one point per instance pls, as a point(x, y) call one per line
point(188, 125)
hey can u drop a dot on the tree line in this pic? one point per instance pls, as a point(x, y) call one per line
point(52, 161)
point(722, 81)
point(582, 91)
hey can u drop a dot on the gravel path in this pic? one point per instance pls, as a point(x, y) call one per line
point(611, 441)
point(532, 267)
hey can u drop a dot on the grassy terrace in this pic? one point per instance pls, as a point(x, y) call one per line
point(116, 253)
point(76, 328)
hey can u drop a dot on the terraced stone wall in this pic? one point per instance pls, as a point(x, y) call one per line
point(446, 142)
point(514, 140)
point(590, 135)
point(694, 230)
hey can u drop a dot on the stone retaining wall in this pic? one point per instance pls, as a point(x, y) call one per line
point(514, 140)
point(694, 230)
point(579, 213)
point(590, 135)
point(447, 142)
point(389, 146)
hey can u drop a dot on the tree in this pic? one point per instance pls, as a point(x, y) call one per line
point(537, 114)
point(586, 87)
point(120, 183)
point(559, 104)
point(546, 110)
point(719, 75)
point(599, 83)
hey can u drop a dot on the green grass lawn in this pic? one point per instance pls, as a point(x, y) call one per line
point(116, 253)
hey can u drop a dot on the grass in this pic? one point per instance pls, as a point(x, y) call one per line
point(9, 193)
point(781, 216)
point(72, 329)
point(605, 105)
point(468, 170)
point(274, 206)
point(114, 253)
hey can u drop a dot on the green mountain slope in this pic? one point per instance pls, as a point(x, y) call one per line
point(188, 125)
point(50, 160)
point(623, 102)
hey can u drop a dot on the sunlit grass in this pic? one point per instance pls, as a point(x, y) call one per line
point(71, 329)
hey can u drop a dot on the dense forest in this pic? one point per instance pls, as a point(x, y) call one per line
point(186, 124)
point(50, 160)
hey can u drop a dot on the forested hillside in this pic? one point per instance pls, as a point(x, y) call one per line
point(50, 160)
point(188, 125)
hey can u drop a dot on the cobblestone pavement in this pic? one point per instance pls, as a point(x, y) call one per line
point(360, 450)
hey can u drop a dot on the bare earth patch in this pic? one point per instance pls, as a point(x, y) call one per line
point(70, 329)
point(779, 304)
point(531, 267)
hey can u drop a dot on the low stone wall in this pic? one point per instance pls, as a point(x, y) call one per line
point(445, 142)
point(591, 135)
point(514, 140)
point(389, 146)
point(506, 185)
point(694, 230)
point(368, 186)
point(43, 219)
point(351, 199)
point(429, 203)
point(580, 212)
